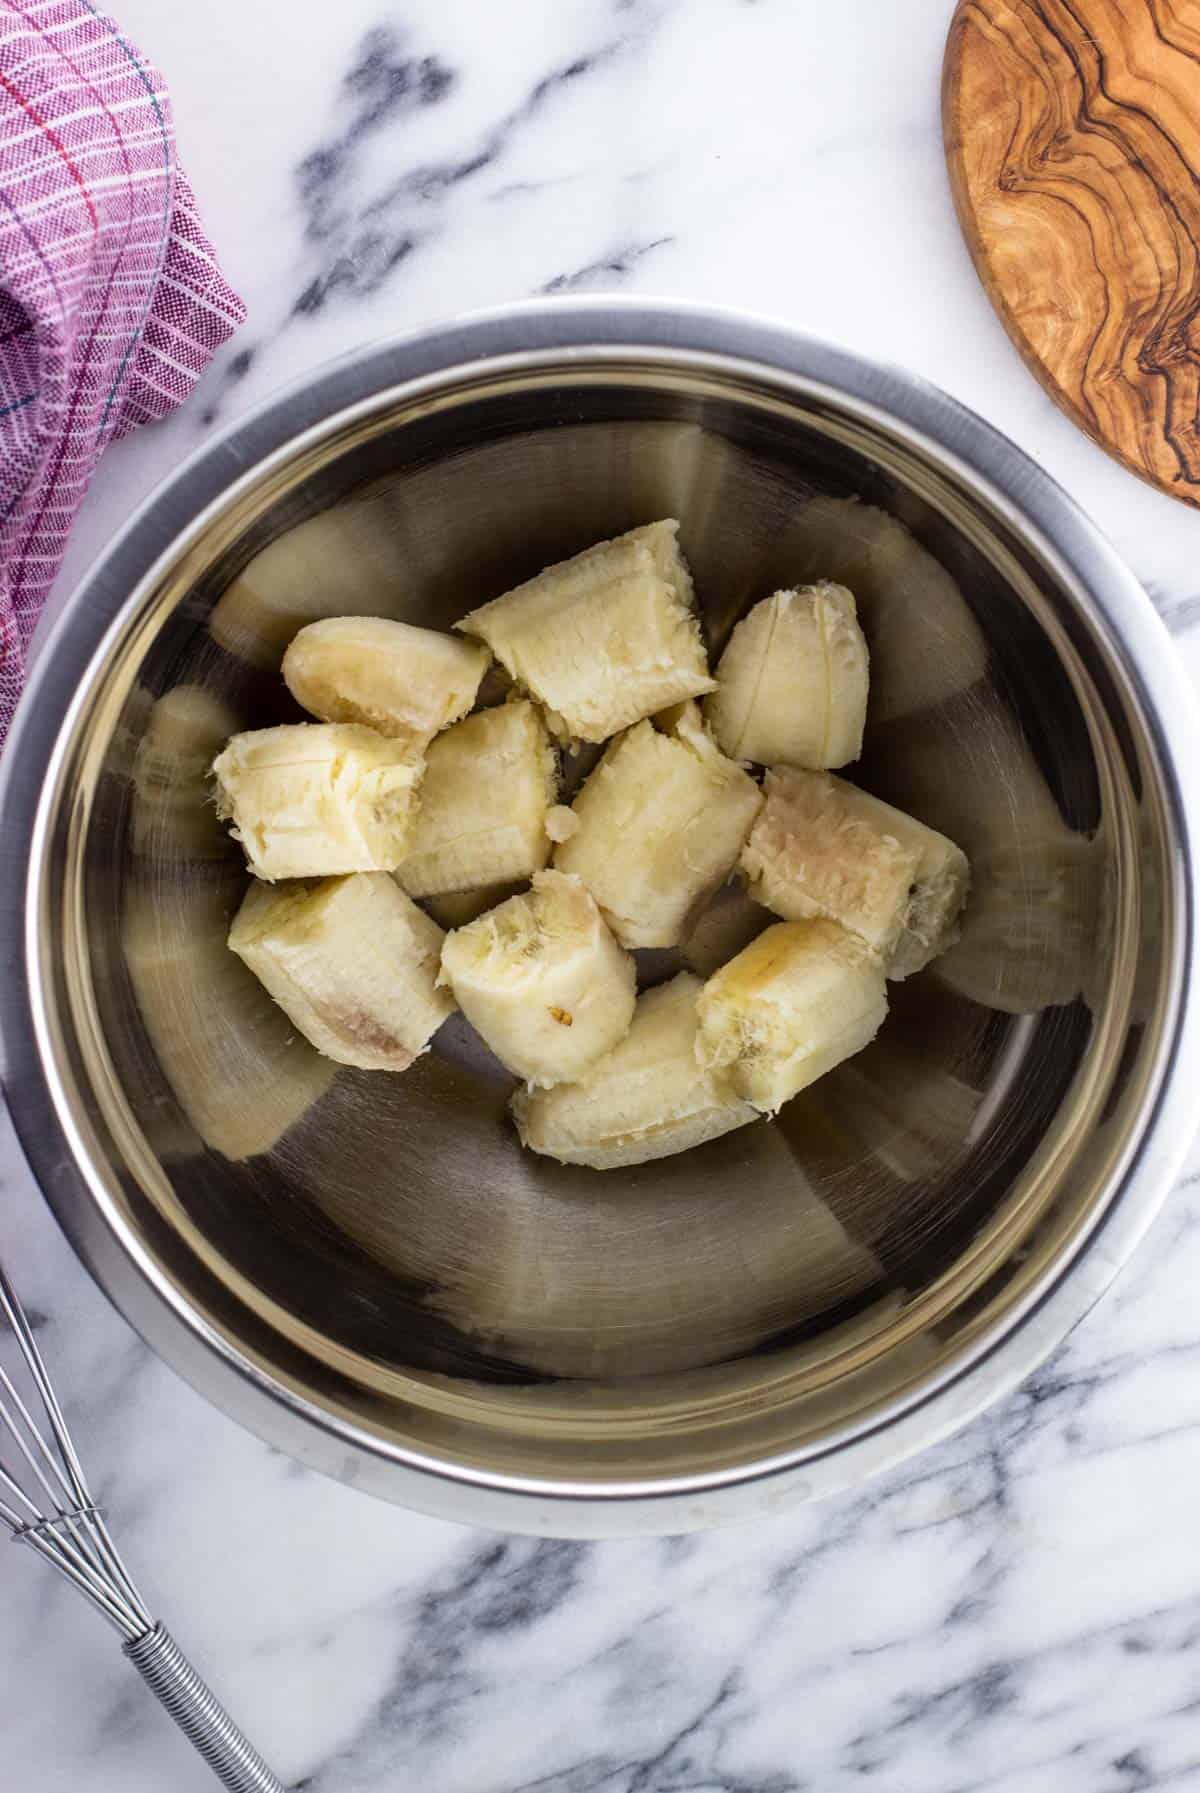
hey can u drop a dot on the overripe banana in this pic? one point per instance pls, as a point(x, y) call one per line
point(797, 1001)
point(542, 981)
point(647, 1098)
point(604, 639)
point(353, 963)
point(792, 682)
point(313, 799)
point(407, 683)
point(822, 847)
point(489, 782)
point(662, 819)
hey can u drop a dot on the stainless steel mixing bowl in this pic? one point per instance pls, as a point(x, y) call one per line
point(367, 1270)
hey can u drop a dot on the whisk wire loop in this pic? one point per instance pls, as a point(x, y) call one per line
point(45, 1503)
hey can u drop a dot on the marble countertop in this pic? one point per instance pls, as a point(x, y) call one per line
point(1018, 1609)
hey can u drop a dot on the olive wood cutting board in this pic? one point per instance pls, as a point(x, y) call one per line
point(1072, 135)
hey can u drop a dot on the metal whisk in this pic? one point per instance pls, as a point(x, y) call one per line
point(45, 1503)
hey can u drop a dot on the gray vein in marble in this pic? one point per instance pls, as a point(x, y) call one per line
point(998, 1691)
point(355, 239)
point(708, 1743)
point(688, 1760)
point(607, 269)
point(505, 1585)
point(363, 240)
point(692, 1754)
point(1182, 615)
point(1018, 1611)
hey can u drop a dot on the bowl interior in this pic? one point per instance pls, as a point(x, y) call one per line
point(382, 1244)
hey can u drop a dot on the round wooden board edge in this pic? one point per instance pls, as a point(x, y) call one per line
point(952, 142)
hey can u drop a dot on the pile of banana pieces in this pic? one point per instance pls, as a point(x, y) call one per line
point(410, 855)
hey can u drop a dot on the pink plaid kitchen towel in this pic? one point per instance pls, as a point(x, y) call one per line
point(111, 301)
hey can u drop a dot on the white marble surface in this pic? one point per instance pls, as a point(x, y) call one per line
point(1018, 1610)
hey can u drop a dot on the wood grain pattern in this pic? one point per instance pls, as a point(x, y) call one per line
point(1072, 134)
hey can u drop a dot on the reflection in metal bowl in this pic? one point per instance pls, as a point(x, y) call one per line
point(367, 1268)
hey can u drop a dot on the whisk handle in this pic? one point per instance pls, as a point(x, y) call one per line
point(199, 1714)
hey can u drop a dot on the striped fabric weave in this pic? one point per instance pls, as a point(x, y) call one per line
point(111, 301)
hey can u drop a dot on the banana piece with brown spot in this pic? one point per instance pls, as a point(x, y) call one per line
point(353, 963)
point(797, 1001)
point(542, 981)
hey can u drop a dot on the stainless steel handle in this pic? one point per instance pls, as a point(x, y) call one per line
point(199, 1714)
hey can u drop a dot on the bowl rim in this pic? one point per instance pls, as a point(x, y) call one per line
point(179, 509)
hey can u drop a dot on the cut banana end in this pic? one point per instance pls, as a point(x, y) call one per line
point(604, 639)
point(407, 683)
point(312, 800)
point(792, 682)
point(648, 1098)
point(543, 982)
point(662, 820)
point(801, 998)
point(353, 964)
point(489, 782)
point(822, 847)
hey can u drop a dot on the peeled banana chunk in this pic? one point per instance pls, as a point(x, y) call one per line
point(353, 963)
point(604, 639)
point(797, 1001)
point(542, 981)
point(648, 1098)
point(822, 847)
point(407, 683)
point(662, 820)
point(489, 783)
point(792, 682)
point(312, 800)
